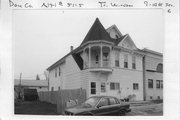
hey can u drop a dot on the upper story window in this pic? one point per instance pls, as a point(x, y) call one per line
point(133, 62)
point(97, 59)
point(59, 71)
point(105, 56)
point(159, 68)
point(150, 83)
point(56, 72)
point(161, 85)
point(125, 61)
point(158, 84)
point(117, 58)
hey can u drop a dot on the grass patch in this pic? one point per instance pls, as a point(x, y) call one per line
point(35, 108)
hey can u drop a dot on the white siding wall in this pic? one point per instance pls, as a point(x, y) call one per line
point(55, 81)
point(121, 60)
point(70, 75)
point(151, 62)
point(126, 79)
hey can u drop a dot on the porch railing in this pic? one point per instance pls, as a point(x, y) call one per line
point(97, 64)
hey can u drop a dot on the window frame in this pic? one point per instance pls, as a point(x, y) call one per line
point(117, 55)
point(149, 84)
point(158, 84)
point(125, 61)
point(94, 88)
point(55, 72)
point(104, 87)
point(135, 86)
point(116, 86)
point(133, 62)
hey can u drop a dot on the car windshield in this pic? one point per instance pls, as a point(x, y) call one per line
point(92, 101)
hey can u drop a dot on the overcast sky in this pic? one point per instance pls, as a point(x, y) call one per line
point(41, 37)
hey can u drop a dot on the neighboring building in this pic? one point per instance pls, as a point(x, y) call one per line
point(153, 75)
point(40, 85)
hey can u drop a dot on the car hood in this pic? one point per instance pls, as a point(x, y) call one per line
point(79, 109)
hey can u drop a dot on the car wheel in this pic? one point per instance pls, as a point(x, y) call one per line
point(122, 113)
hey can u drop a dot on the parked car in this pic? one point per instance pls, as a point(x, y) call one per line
point(100, 105)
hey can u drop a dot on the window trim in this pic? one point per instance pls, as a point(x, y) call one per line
point(134, 86)
point(115, 86)
point(133, 62)
point(152, 83)
point(158, 84)
point(93, 88)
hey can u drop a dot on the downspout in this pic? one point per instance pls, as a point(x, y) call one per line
point(144, 78)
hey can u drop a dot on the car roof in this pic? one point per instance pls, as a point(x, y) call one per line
point(103, 96)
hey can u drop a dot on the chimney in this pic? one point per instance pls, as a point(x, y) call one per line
point(71, 48)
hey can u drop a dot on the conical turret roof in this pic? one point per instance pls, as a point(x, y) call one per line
point(97, 32)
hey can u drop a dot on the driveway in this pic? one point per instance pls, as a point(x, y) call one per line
point(146, 110)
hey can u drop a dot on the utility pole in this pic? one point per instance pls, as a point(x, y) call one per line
point(20, 86)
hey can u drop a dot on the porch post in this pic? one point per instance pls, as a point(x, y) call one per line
point(101, 64)
point(83, 58)
point(89, 57)
point(109, 62)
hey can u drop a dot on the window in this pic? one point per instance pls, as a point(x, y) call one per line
point(157, 83)
point(52, 88)
point(93, 88)
point(133, 62)
point(151, 97)
point(150, 83)
point(159, 68)
point(103, 87)
point(105, 56)
point(112, 101)
point(161, 84)
point(97, 59)
point(56, 72)
point(59, 71)
point(117, 37)
point(103, 102)
point(135, 86)
point(114, 86)
point(125, 61)
point(117, 58)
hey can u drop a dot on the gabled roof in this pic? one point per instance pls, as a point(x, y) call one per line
point(62, 60)
point(97, 32)
point(115, 28)
point(118, 40)
point(152, 52)
point(31, 83)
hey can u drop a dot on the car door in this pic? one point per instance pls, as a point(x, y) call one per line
point(102, 107)
point(114, 106)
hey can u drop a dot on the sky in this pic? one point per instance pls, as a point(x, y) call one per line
point(42, 37)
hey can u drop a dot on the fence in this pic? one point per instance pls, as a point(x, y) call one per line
point(63, 98)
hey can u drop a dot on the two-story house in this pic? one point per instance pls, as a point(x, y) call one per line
point(105, 63)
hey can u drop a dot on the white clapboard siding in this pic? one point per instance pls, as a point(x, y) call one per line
point(72, 74)
point(151, 62)
point(126, 78)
